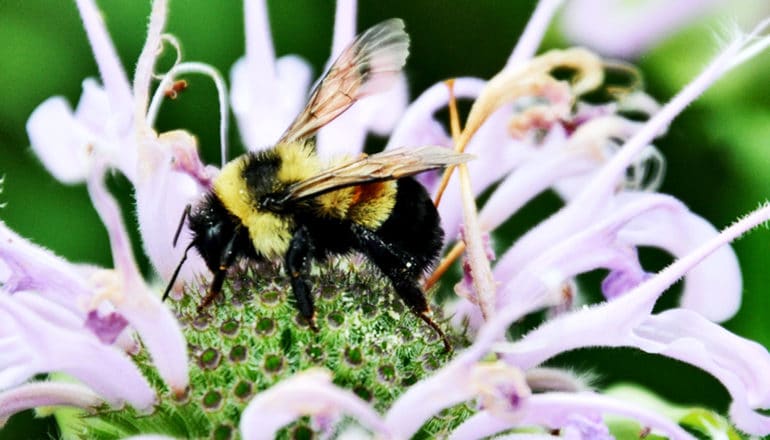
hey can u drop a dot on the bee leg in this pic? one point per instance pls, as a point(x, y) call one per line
point(298, 259)
point(403, 271)
point(225, 261)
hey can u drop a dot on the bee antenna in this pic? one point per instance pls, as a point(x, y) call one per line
point(178, 268)
point(185, 214)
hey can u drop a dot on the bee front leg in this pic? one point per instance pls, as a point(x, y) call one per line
point(226, 260)
point(298, 259)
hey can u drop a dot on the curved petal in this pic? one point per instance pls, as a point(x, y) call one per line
point(307, 393)
point(162, 194)
point(580, 412)
point(110, 68)
point(418, 126)
point(498, 387)
point(740, 364)
point(679, 233)
point(59, 140)
point(142, 307)
point(48, 393)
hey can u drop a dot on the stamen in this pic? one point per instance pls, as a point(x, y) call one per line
point(178, 86)
point(733, 55)
point(146, 64)
point(219, 82)
point(170, 39)
point(647, 172)
point(454, 127)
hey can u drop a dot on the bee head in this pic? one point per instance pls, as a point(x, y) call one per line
point(214, 229)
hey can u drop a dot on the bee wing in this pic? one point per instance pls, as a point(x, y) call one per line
point(369, 65)
point(388, 165)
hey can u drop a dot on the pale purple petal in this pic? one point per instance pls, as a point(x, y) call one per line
point(266, 94)
point(575, 414)
point(634, 219)
point(679, 234)
point(32, 268)
point(344, 26)
point(38, 336)
point(533, 34)
point(110, 68)
point(48, 393)
point(260, 55)
point(162, 195)
point(418, 125)
point(741, 365)
point(498, 388)
point(620, 281)
point(576, 410)
point(557, 159)
point(480, 425)
point(263, 116)
point(144, 71)
point(612, 323)
point(620, 28)
point(549, 250)
point(142, 307)
point(59, 140)
point(307, 393)
point(581, 426)
point(101, 124)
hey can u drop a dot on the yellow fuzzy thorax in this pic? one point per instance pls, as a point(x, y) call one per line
point(368, 205)
point(270, 233)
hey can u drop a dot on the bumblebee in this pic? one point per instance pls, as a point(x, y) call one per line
point(285, 203)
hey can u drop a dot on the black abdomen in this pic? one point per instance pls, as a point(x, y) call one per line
point(414, 224)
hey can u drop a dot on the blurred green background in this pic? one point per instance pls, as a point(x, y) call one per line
point(718, 150)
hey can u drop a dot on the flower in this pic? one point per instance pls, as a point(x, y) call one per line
point(56, 312)
point(251, 361)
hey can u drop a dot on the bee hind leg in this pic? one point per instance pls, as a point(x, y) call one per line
point(298, 259)
point(403, 271)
